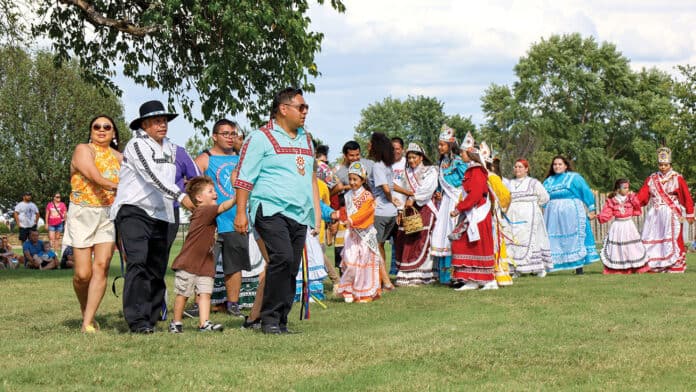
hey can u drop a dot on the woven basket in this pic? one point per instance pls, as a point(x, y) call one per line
point(412, 223)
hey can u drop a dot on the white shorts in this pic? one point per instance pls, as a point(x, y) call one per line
point(88, 226)
point(185, 282)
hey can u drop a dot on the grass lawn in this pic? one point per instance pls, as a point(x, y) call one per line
point(563, 332)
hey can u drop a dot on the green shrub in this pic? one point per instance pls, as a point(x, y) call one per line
point(4, 229)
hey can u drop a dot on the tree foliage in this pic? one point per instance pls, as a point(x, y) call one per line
point(233, 55)
point(12, 31)
point(196, 144)
point(684, 139)
point(581, 99)
point(416, 119)
point(44, 113)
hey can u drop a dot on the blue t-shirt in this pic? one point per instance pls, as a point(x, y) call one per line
point(28, 246)
point(220, 168)
point(47, 255)
point(382, 175)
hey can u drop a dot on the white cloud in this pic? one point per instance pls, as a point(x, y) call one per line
point(454, 50)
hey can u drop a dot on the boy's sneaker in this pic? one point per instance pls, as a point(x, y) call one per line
point(233, 310)
point(192, 312)
point(210, 327)
point(251, 324)
point(176, 327)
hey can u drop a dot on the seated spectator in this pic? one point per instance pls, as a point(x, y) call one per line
point(47, 259)
point(66, 259)
point(8, 259)
point(32, 247)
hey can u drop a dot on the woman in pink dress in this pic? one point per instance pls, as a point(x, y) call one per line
point(623, 251)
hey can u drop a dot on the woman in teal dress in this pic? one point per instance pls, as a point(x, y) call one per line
point(567, 216)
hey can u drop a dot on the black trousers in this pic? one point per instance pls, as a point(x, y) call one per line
point(143, 242)
point(173, 228)
point(284, 239)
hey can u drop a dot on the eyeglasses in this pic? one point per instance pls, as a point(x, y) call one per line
point(56, 197)
point(97, 127)
point(227, 134)
point(303, 107)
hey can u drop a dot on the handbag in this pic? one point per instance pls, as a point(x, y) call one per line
point(412, 223)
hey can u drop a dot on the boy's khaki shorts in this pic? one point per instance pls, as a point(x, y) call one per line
point(184, 284)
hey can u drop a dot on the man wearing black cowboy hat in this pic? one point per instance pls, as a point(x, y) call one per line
point(142, 212)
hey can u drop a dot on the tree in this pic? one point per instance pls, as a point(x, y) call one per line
point(232, 54)
point(196, 144)
point(417, 119)
point(683, 139)
point(44, 113)
point(12, 30)
point(581, 99)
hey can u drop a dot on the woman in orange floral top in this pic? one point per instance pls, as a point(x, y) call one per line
point(93, 177)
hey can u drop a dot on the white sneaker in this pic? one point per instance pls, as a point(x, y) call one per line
point(541, 274)
point(468, 286)
point(492, 285)
point(348, 300)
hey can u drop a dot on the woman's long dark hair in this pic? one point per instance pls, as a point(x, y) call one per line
point(453, 151)
point(617, 185)
point(426, 160)
point(381, 149)
point(565, 160)
point(494, 166)
point(115, 141)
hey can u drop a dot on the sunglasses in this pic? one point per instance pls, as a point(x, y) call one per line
point(303, 107)
point(56, 197)
point(97, 127)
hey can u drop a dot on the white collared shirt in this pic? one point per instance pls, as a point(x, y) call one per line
point(147, 177)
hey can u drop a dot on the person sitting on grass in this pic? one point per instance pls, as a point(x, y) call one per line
point(32, 247)
point(194, 266)
point(8, 258)
point(67, 260)
point(47, 258)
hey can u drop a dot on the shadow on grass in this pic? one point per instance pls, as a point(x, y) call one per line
point(22, 273)
point(113, 322)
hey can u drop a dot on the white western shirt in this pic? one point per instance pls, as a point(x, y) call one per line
point(147, 176)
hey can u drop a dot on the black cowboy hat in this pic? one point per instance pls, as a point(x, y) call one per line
point(151, 109)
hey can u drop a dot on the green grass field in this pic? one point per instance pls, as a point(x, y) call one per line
point(563, 332)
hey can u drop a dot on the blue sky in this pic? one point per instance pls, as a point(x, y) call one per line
point(453, 50)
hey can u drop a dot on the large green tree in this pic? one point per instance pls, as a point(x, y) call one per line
point(576, 97)
point(683, 140)
point(44, 112)
point(415, 119)
point(232, 55)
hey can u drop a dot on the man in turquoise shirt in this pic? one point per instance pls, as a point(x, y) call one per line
point(278, 180)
